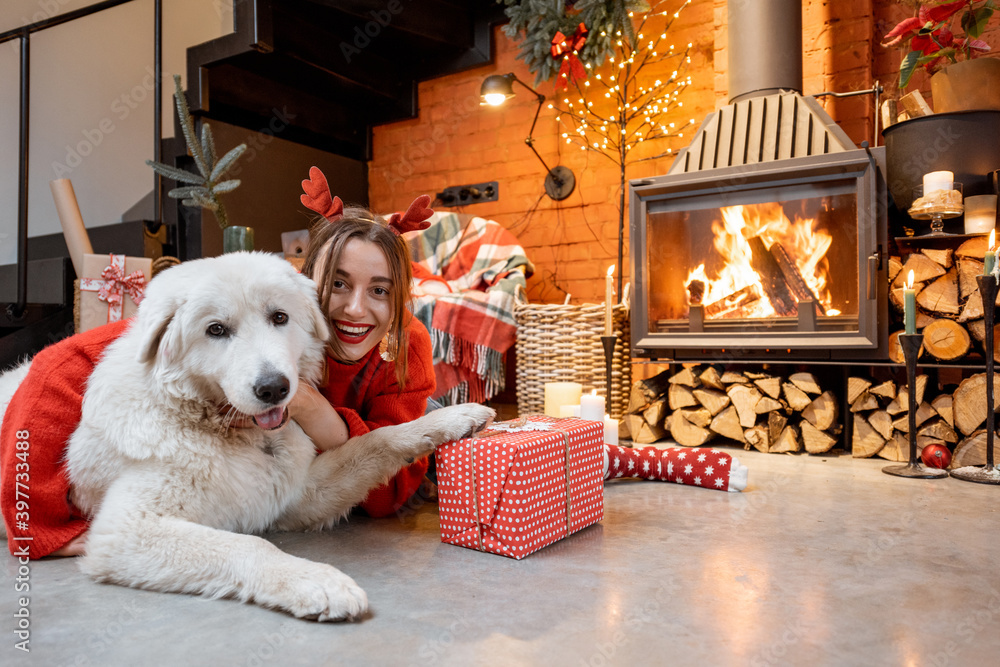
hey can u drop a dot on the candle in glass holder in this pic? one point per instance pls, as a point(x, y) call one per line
point(592, 406)
point(980, 214)
point(608, 296)
point(558, 394)
point(991, 254)
point(938, 180)
point(910, 306)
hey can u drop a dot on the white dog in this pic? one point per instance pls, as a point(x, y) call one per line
point(168, 484)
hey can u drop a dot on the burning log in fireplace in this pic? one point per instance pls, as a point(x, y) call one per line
point(767, 412)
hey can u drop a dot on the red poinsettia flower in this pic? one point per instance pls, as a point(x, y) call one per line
point(929, 37)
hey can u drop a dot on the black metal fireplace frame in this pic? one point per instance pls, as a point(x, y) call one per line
point(868, 342)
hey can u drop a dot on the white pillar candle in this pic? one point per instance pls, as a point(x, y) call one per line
point(592, 406)
point(558, 394)
point(610, 430)
point(569, 410)
point(938, 180)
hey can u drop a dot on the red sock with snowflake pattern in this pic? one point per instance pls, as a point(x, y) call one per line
point(709, 468)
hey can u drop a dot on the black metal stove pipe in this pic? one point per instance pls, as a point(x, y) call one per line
point(765, 47)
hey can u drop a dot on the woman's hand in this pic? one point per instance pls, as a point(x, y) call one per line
point(317, 418)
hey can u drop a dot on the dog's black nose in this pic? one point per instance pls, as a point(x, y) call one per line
point(272, 388)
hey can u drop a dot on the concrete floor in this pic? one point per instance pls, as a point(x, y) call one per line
point(822, 561)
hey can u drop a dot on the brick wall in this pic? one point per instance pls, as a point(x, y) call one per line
point(454, 141)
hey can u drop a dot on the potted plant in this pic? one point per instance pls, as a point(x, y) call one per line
point(943, 38)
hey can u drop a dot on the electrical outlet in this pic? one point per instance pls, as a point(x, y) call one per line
point(463, 195)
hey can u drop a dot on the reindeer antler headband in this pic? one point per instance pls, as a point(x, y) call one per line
point(318, 198)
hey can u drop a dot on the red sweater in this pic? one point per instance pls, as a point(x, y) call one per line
point(48, 404)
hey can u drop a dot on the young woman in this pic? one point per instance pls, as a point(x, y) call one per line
point(362, 269)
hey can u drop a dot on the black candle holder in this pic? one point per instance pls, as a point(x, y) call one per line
point(911, 348)
point(609, 353)
point(988, 474)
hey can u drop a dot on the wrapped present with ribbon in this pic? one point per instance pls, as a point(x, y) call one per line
point(111, 289)
point(521, 485)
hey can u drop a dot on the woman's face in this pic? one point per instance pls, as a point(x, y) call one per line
point(360, 307)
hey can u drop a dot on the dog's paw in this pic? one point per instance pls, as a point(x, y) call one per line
point(318, 592)
point(456, 422)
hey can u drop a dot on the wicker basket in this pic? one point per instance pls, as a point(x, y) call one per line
point(562, 343)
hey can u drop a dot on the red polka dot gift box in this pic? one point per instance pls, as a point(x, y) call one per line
point(521, 485)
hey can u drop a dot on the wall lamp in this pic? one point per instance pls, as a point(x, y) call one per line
point(497, 89)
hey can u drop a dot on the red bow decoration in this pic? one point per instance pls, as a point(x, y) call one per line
point(414, 218)
point(571, 68)
point(318, 198)
point(115, 285)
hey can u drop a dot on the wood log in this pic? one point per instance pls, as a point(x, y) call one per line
point(814, 440)
point(771, 386)
point(796, 398)
point(973, 308)
point(855, 387)
point(806, 382)
point(656, 413)
point(822, 412)
point(897, 448)
point(895, 266)
point(733, 304)
point(972, 451)
point(968, 270)
point(865, 440)
point(686, 433)
point(644, 433)
point(710, 378)
point(864, 402)
point(697, 416)
point(896, 351)
point(655, 387)
point(938, 429)
point(679, 396)
point(771, 279)
point(924, 412)
point(946, 340)
point(978, 330)
point(797, 285)
point(745, 399)
point(942, 256)
point(897, 406)
point(715, 401)
point(727, 424)
point(776, 423)
point(732, 377)
point(767, 404)
point(881, 421)
point(636, 400)
point(754, 375)
point(974, 247)
point(924, 268)
point(969, 403)
point(942, 405)
point(941, 296)
point(758, 438)
point(886, 390)
point(923, 319)
point(788, 441)
point(688, 377)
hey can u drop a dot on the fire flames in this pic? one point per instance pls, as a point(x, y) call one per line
point(739, 290)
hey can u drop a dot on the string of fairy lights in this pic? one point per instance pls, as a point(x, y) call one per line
point(636, 110)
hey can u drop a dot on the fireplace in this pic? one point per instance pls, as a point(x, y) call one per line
point(780, 259)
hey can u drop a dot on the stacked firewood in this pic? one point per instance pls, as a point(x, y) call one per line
point(949, 307)
point(767, 412)
point(880, 416)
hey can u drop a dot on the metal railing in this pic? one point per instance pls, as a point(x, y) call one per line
point(23, 34)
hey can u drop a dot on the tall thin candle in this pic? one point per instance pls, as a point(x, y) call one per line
point(991, 254)
point(910, 306)
point(608, 296)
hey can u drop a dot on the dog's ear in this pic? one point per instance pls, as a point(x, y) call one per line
point(157, 312)
point(320, 326)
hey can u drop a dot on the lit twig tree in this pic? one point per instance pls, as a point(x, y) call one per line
point(628, 101)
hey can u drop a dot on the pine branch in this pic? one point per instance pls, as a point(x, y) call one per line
point(187, 128)
point(175, 174)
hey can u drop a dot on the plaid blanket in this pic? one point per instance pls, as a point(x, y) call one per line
point(468, 275)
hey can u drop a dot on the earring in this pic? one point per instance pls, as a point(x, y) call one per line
point(387, 346)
